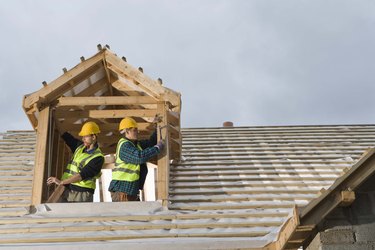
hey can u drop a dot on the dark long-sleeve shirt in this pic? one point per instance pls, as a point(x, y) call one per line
point(92, 168)
point(130, 153)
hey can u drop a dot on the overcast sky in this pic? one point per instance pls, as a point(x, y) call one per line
point(251, 62)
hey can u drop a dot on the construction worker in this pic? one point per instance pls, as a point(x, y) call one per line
point(85, 167)
point(130, 170)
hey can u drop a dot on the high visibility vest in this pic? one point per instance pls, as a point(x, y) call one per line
point(78, 162)
point(125, 171)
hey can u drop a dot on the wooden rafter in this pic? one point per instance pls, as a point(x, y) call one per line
point(151, 87)
point(64, 82)
point(317, 210)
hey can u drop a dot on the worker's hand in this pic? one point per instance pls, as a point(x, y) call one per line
point(52, 179)
point(157, 119)
point(154, 123)
point(160, 145)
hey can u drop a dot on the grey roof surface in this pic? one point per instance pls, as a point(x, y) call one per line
point(234, 183)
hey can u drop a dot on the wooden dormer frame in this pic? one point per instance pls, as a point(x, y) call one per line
point(103, 88)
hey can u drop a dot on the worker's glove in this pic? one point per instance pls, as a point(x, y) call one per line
point(160, 145)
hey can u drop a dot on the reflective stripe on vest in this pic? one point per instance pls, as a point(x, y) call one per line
point(125, 171)
point(78, 162)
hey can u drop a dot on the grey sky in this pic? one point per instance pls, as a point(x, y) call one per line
point(251, 62)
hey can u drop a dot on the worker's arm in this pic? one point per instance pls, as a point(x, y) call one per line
point(72, 179)
point(92, 168)
point(150, 142)
point(73, 143)
point(131, 154)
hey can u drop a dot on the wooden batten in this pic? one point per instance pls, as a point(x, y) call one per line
point(40, 156)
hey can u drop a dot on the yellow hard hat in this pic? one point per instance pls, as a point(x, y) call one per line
point(89, 128)
point(127, 122)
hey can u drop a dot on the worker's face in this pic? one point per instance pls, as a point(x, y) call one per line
point(132, 133)
point(88, 140)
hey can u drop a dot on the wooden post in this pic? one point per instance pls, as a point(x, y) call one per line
point(40, 156)
point(163, 160)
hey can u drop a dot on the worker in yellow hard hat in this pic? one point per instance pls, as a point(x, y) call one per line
point(130, 170)
point(85, 166)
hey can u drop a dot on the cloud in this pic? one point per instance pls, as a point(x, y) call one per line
point(252, 62)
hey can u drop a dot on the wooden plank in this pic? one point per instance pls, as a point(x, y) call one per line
point(267, 157)
point(347, 198)
point(223, 206)
point(255, 178)
point(286, 133)
point(105, 100)
point(231, 198)
point(296, 184)
point(127, 86)
point(285, 232)
point(31, 112)
point(364, 168)
point(163, 158)
point(255, 172)
point(64, 82)
point(173, 118)
point(55, 196)
point(319, 208)
point(94, 88)
point(148, 226)
point(100, 114)
point(103, 126)
point(347, 127)
point(151, 87)
point(121, 67)
point(129, 236)
point(145, 217)
point(40, 156)
point(268, 161)
point(291, 137)
point(228, 191)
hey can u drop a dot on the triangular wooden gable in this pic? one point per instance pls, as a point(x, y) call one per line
point(104, 89)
